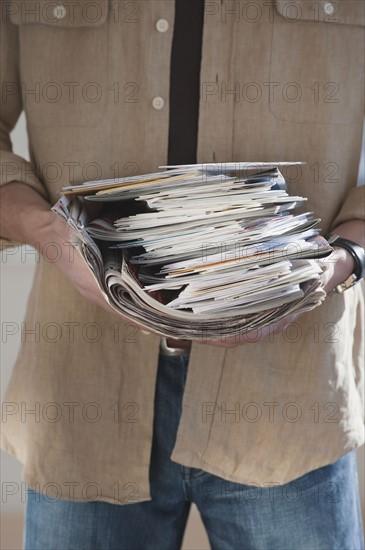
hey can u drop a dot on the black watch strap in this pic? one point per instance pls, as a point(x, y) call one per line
point(356, 251)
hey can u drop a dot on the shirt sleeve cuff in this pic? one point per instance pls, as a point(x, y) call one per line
point(16, 169)
point(353, 208)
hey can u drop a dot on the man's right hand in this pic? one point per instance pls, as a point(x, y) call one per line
point(27, 218)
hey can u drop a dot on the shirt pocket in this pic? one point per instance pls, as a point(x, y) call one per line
point(317, 59)
point(63, 60)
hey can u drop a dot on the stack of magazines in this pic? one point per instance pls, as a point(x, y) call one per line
point(199, 251)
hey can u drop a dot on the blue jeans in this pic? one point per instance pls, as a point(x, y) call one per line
point(322, 513)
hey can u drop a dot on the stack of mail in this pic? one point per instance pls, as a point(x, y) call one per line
point(199, 251)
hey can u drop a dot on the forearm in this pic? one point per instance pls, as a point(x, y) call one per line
point(344, 264)
point(25, 216)
point(353, 230)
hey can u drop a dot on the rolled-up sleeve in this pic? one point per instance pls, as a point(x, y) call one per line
point(13, 168)
point(353, 208)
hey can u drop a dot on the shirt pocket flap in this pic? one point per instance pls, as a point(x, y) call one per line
point(83, 13)
point(317, 55)
point(340, 12)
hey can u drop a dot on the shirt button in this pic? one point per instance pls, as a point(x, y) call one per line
point(158, 103)
point(162, 25)
point(59, 12)
point(329, 8)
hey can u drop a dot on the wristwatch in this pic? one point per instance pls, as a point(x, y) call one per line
point(358, 254)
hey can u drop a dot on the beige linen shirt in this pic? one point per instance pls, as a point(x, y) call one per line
point(279, 81)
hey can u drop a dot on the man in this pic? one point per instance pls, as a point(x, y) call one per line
point(258, 433)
